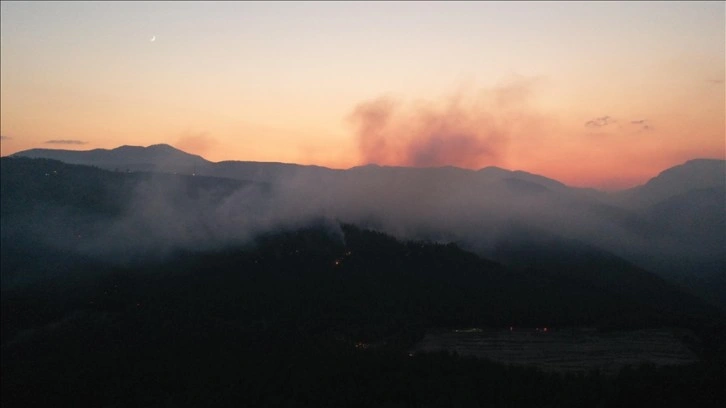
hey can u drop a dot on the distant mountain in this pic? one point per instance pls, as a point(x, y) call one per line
point(672, 225)
point(165, 158)
point(694, 220)
point(59, 220)
point(692, 175)
point(684, 211)
point(544, 254)
point(160, 157)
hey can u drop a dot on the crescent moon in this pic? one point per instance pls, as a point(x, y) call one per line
point(153, 38)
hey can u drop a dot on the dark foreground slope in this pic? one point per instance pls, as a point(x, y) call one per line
point(302, 319)
point(321, 315)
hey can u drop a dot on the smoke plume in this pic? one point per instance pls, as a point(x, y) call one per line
point(469, 129)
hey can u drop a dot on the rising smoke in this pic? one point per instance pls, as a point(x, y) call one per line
point(469, 129)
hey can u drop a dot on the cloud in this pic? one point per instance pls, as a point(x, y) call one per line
point(466, 129)
point(643, 124)
point(600, 122)
point(66, 142)
point(3, 137)
point(195, 143)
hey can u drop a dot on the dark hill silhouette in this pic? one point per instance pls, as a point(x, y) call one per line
point(165, 158)
point(692, 175)
point(160, 157)
point(679, 238)
point(311, 312)
point(77, 203)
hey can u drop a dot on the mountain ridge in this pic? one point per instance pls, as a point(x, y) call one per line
point(406, 203)
point(164, 157)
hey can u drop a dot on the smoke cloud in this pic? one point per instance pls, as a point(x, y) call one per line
point(196, 143)
point(469, 129)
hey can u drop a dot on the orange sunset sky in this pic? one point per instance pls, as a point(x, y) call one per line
point(603, 95)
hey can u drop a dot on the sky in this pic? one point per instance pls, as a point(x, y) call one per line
point(594, 94)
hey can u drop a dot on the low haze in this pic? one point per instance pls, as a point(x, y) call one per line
point(674, 223)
